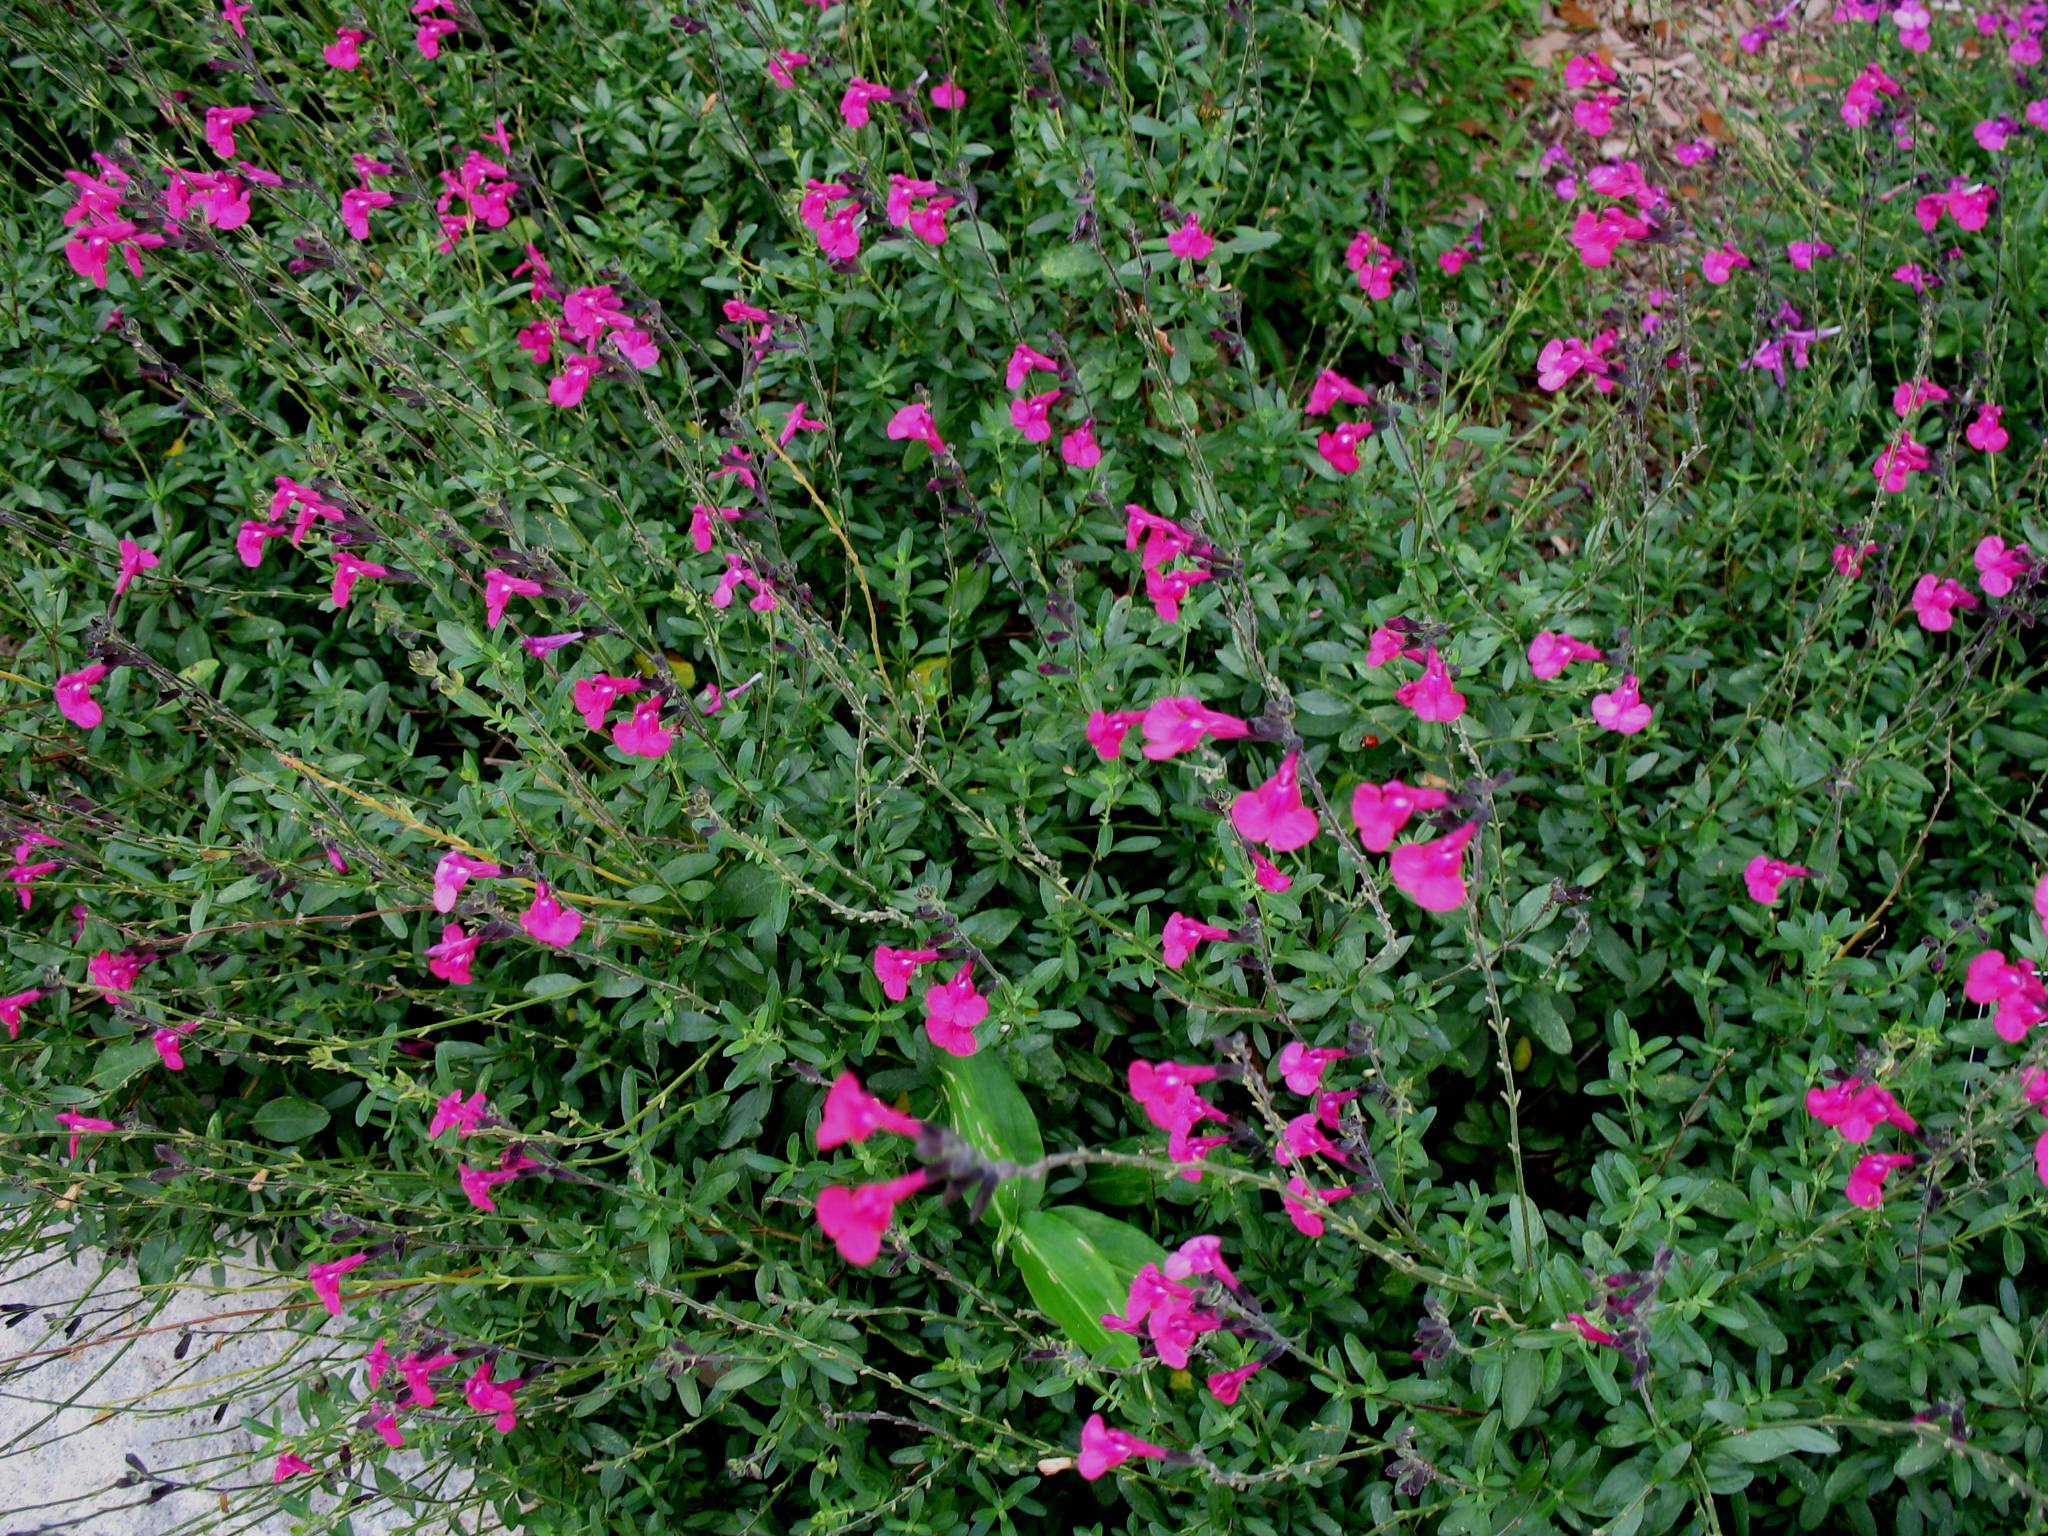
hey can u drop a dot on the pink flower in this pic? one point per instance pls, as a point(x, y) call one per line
point(542, 286)
point(478, 1183)
point(386, 1425)
point(500, 587)
point(644, 735)
point(2019, 998)
point(859, 95)
point(1585, 70)
point(853, 1114)
point(915, 203)
point(914, 423)
point(169, 1045)
point(1590, 1331)
point(567, 388)
point(1190, 242)
point(348, 570)
point(1103, 1449)
point(1330, 389)
point(1201, 1256)
point(134, 561)
point(1432, 695)
point(595, 695)
point(74, 696)
point(1225, 1386)
point(1987, 433)
point(798, 420)
point(947, 96)
point(221, 123)
point(1273, 814)
point(450, 959)
point(1694, 152)
point(1595, 114)
point(1804, 253)
point(1913, 277)
point(326, 1279)
point(1935, 599)
point(1623, 711)
point(1388, 641)
point(537, 340)
point(427, 36)
point(1380, 811)
point(113, 973)
point(1550, 653)
point(1857, 1109)
point(417, 1372)
point(1303, 1137)
point(1899, 460)
point(232, 12)
point(1597, 235)
point(79, 1125)
point(345, 52)
point(1339, 446)
point(1563, 359)
point(1179, 723)
point(1182, 933)
point(376, 1365)
point(1452, 261)
point(1866, 1179)
point(358, 203)
point(1999, 565)
point(894, 969)
point(1849, 559)
point(1372, 261)
point(1719, 266)
point(1302, 1067)
point(856, 1218)
point(951, 1010)
point(289, 1465)
point(1028, 416)
point(701, 523)
point(1308, 1219)
point(1079, 447)
point(493, 1398)
point(250, 540)
point(548, 922)
point(1431, 873)
point(1106, 731)
point(1859, 106)
point(2041, 902)
point(1764, 875)
point(1913, 393)
point(781, 62)
point(11, 1008)
point(453, 872)
point(452, 1112)
point(1024, 361)
point(1269, 875)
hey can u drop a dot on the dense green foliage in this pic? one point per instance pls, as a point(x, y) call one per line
point(1599, 1058)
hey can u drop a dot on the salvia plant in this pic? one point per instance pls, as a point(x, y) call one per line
point(1034, 766)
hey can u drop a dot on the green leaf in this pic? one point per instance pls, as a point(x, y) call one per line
point(553, 984)
point(1073, 1284)
point(1524, 1379)
point(290, 1120)
point(1126, 1247)
point(990, 1111)
point(1779, 1440)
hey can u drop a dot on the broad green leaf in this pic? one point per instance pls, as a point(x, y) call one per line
point(1073, 1284)
point(290, 1120)
point(1127, 1249)
point(990, 1111)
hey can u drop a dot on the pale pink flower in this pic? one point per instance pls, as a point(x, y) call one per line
point(1551, 652)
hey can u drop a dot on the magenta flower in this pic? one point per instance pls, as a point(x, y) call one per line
point(1431, 873)
point(288, 1466)
point(798, 420)
point(644, 735)
point(376, 1365)
point(1190, 242)
point(1720, 265)
point(1595, 114)
point(1987, 433)
point(313, 507)
point(1373, 263)
point(1179, 723)
point(1273, 814)
point(548, 922)
point(536, 340)
point(74, 696)
point(567, 388)
point(386, 1425)
point(1591, 1331)
point(221, 123)
point(1079, 447)
point(428, 35)
point(1225, 1386)
point(1182, 934)
point(1764, 876)
point(113, 972)
point(1848, 559)
point(914, 423)
point(2041, 903)
point(453, 872)
point(1694, 152)
point(249, 541)
point(348, 570)
point(1935, 599)
point(79, 1125)
point(326, 1279)
point(1330, 389)
point(358, 203)
point(1303, 1136)
point(2016, 993)
point(739, 574)
point(780, 65)
point(951, 1010)
point(232, 12)
point(853, 1114)
point(417, 1372)
point(859, 95)
point(493, 1398)
point(92, 244)
point(1623, 710)
point(894, 969)
point(169, 1043)
point(500, 587)
point(1550, 653)
point(1308, 1219)
point(1585, 70)
point(1104, 1449)
point(1106, 731)
point(11, 1009)
point(1302, 1067)
point(947, 96)
point(345, 52)
point(1029, 415)
point(1999, 564)
point(1339, 445)
point(1859, 106)
point(1804, 253)
point(1199, 1256)
point(1024, 361)
point(1380, 811)
point(1565, 358)
point(1913, 393)
point(1898, 461)
point(856, 1218)
point(595, 695)
point(477, 1185)
point(1388, 641)
point(1597, 236)
point(1857, 1109)
point(1269, 875)
point(832, 212)
point(452, 1112)
point(1432, 696)
point(134, 561)
point(1866, 1179)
